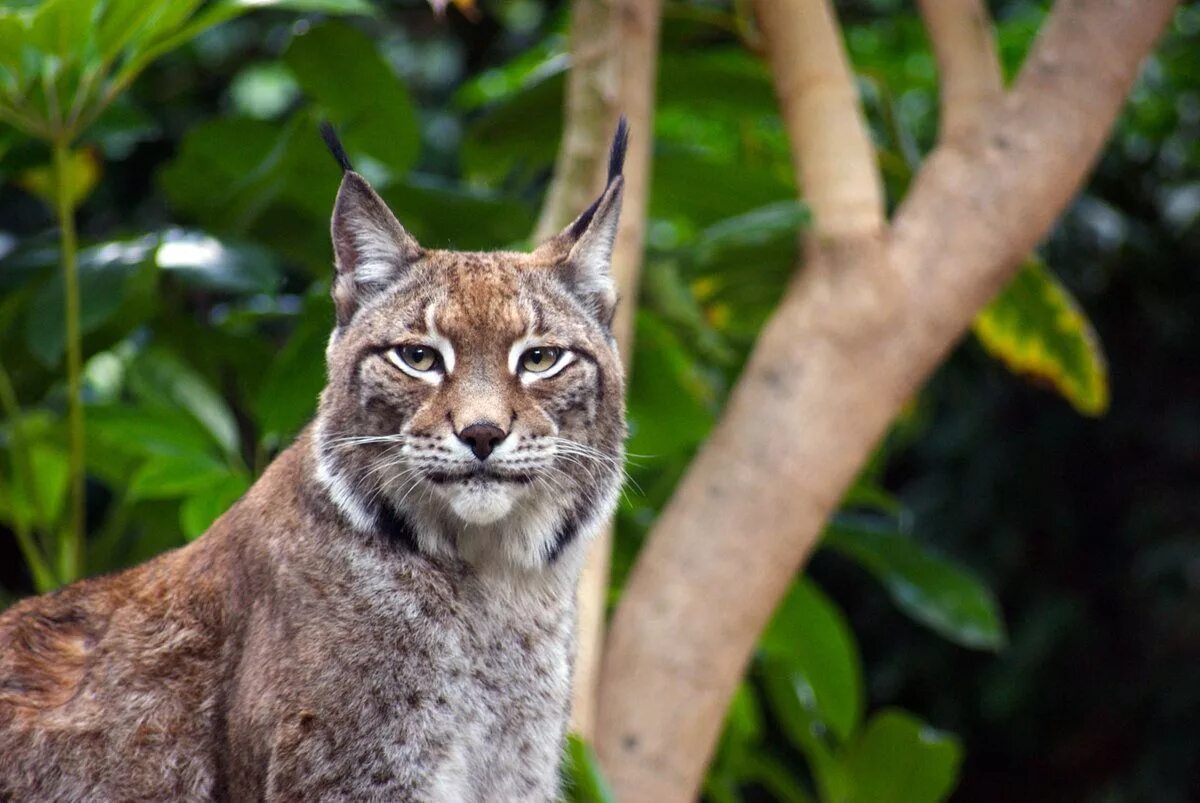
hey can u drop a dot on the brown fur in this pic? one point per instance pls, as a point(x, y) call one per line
point(385, 615)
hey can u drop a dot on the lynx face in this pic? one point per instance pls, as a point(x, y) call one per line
point(476, 398)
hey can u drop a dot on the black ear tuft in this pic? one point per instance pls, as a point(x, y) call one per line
point(616, 164)
point(616, 156)
point(335, 146)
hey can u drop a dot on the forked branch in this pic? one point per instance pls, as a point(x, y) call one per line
point(1032, 157)
point(871, 314)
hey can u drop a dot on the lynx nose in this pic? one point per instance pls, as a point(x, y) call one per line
point(482, 438)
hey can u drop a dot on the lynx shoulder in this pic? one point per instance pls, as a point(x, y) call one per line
point(388, 613)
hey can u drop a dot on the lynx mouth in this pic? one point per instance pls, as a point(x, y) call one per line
point(482, 496)
point(482, 475)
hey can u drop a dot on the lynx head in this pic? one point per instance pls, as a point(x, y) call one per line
point(475, 400)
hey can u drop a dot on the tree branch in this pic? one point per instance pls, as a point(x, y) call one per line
point(1005, 193)
point(968, 67)
point(589, 114)
point(614, 46)
point(832, 153)
point(867, 320)
point(637, 25)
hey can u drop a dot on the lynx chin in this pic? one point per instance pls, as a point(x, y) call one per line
point(388, 613)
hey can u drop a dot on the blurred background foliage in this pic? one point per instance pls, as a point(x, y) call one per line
point(1008, 604)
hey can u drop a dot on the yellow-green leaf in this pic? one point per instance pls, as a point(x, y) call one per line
point(1036, 328)
point(83, 171)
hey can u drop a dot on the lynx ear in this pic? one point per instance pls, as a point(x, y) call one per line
point(583, 250)
point(370, 247)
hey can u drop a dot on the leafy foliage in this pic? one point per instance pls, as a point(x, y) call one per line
point(65, 61)
point(932, 591)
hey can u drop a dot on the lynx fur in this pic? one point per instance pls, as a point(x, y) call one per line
point(388, 613)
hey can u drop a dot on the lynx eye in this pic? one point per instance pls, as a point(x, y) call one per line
point(541, 359)
point(415, 357)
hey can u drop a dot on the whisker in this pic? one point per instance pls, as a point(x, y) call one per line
point(359, 440)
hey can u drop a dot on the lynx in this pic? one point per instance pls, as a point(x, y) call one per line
point(388, 613)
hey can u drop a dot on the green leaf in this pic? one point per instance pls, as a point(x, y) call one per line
point(165, 20)
point(174, 476)
point(172, 28)
point(62, 28)
point(288, 395)
point(744, 720)
point(340, 69)
point(49, 487)
point(159, 377)
point(767, 225)
point(899, 759)
point(518, 137)
point(204, 261)
point(866, 493)
point(501, 83)
point(586, 780)
point(730, 79)
point(434, 211)
point(669, 402)
point(227, 171)
point(122, 20)
point(13, 33)
point(798, 718)
point(721, 786)
point(140, 431)
point(1036, 328)
point(241, 178)
point(810, 638)
point(108, 276)
point(727, 189)
point(932, 591)
point(200, 510)
point(264, 91)
point(773, 775)
point(665, 292)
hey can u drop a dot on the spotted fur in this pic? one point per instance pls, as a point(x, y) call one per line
point(385, 615)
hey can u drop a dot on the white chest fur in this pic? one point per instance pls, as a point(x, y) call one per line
point(510, 703)
point(474, 671)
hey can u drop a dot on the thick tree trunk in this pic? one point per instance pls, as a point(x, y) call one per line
point(614, 53)
point(866, 321)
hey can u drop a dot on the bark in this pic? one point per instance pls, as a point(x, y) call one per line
point(832, 151)
point(866, 321)
point(969, 70)
point(589, 115)
point(614, 53)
